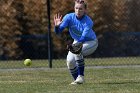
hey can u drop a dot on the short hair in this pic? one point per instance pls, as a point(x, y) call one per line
point(81, 2)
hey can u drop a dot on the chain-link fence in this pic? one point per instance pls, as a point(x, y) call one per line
point(24, 34)
point(24, 28)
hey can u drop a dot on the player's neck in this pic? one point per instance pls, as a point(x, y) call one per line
point(79, 18)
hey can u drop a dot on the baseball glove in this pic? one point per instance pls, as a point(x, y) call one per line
point(75, 48)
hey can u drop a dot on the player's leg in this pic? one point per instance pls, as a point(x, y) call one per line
point(71, 64)
point(89, 47)
point(80, 64)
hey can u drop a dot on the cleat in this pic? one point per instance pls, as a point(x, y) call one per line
point(79, 80)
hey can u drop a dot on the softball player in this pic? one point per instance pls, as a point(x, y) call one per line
point(80, 28)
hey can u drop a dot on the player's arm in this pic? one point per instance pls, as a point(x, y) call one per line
point(60, 24)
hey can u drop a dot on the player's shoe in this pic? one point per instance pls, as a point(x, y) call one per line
point(79, 80)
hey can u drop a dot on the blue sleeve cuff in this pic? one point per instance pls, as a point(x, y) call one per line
point(56, 29)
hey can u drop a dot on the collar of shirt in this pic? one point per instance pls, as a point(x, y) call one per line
point(80, 17)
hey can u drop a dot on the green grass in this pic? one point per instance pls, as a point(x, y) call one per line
point(62, 62)
point(56, 80)
point(114, 80)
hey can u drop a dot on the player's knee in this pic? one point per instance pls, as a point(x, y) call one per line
point(88, 51)
point(70, 65)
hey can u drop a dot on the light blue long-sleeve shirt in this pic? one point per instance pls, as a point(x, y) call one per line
point(79, 29)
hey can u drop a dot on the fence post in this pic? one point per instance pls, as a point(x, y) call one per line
point(49, 36)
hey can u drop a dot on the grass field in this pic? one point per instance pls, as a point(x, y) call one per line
point(17, 78)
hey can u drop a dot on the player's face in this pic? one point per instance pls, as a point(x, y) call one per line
point(79, 10)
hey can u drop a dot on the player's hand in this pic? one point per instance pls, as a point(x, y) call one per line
point(57, 19)
point(75, 48)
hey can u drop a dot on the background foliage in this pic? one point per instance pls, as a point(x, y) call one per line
point(23, 25)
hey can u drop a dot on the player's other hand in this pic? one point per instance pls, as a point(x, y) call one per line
point(57, 19)
point(75, 48)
